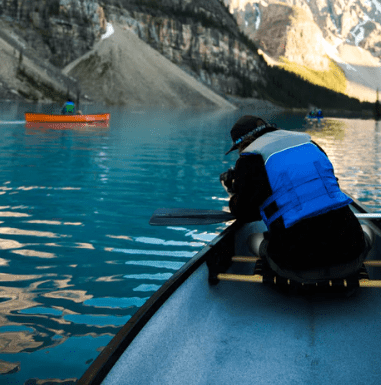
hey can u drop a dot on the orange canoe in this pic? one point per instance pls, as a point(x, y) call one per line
point(50, 118)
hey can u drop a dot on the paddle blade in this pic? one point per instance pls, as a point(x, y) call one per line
point(176, 217)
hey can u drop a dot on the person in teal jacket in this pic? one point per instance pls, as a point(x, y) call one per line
point(68, 107)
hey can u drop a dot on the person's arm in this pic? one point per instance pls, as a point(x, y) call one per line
point(250, 188)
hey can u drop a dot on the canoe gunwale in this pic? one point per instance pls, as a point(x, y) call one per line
point(374, 224)
point(102, 365)
point(68, 118)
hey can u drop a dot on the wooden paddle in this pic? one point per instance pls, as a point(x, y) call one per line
point(176, 217)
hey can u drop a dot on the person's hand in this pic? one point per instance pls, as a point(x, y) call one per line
point(225, 187)
point(227, 179)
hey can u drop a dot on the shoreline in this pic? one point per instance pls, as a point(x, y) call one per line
point(335, 113)
point(328, 113)
point(240, 103)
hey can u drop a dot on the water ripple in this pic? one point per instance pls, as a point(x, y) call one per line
point(159, 264)
point(182, 254)
point(354, 148)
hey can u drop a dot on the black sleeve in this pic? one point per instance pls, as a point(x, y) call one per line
point(250, 188)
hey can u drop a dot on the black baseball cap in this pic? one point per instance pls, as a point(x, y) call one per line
point(247, 124)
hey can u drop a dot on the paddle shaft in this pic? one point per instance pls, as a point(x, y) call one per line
point(177, 217)
point(368, 216)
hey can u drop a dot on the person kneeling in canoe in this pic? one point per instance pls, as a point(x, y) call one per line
point(287, 180)
point(68, 107)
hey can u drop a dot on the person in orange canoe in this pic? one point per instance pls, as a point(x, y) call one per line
point(285, 179)
point(68, 107)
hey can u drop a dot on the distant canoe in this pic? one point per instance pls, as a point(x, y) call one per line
point(315, 115)
point(312, 119)
point(51, 118)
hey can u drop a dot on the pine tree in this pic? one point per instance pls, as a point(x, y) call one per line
point(377, 107)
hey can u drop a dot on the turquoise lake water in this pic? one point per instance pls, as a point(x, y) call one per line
point(77, 256)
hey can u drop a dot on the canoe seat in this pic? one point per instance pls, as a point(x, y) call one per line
point(262, 274)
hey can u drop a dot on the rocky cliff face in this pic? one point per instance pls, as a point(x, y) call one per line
point(56, 30)
point(202, 37)
point(291, 32)
point(354, 22)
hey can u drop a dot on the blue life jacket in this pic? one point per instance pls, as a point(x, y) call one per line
point(301, 177)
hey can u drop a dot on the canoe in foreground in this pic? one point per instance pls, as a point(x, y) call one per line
point(51, 118)
point(194, 332)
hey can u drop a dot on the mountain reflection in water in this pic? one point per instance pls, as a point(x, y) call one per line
point(78, 257)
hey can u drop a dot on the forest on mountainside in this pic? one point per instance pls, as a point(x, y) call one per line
point(289, 89)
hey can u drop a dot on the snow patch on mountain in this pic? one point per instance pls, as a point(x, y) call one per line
point(358, 32)
point(109, 31)
point(377, 5)
point(258, 21)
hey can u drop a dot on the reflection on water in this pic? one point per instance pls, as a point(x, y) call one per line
point(354, 148)
point(89, 126)
point(78, 256)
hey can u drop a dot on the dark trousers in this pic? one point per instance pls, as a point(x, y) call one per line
point(329, 246)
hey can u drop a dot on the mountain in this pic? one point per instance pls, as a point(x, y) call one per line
point(201, 37)
point(311, 32)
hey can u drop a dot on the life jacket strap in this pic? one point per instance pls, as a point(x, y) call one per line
point(295, 201)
